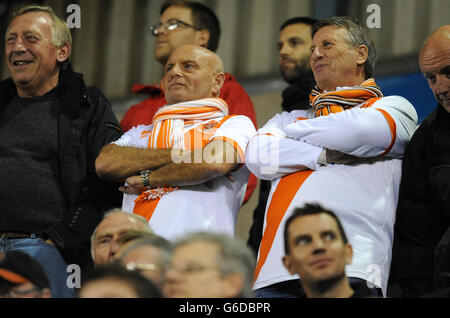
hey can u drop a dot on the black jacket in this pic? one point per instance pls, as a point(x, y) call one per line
point(85, 124)
point(423, 213)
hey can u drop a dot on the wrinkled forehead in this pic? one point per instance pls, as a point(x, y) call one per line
point(331, 32)
point(33, 20)
point(201, 56)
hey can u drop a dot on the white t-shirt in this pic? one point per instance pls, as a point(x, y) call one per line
point(364, 196)
point(205, 207)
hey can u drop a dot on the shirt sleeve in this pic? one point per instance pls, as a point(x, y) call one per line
point(270, 154)
point(135, 137)
point(236, 130)
point(385, 128)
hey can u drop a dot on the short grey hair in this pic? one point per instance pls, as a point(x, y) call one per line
point(358, 35)
point(137, 217)
point(150, 240)
point(234, 256)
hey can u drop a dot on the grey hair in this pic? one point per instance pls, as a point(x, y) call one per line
point(358, 35)
point(60, 31)
point(234, 256)
point(138, 218)
point(151, 240)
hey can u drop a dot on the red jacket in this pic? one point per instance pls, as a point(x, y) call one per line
point(239, 103)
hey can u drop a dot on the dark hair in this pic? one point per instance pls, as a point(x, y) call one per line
point(358, 34)
point(143, 287)
point(297, 20)
point(202, 17)
point(310, 209)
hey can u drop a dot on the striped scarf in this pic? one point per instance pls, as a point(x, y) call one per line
point(338, 101)
point(169, 133)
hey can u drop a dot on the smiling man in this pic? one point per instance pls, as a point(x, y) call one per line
point(317, 249)
point(350, 124)
point(184, 172)
point(52, 130)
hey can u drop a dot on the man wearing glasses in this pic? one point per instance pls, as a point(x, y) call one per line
point(182, 23)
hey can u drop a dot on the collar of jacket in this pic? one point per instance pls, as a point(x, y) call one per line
point(71, 90)
point(441, 127)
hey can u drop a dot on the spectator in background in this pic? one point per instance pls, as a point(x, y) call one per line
point(182, 23)
point(421, 260)
point(351, 125)
point(294, 47)
point(51, 198)
point(21, 276)
point(114, 281)
point(105, 240)
point(149, 254)
point(209, 265)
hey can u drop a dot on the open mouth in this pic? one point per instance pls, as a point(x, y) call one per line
point(20, 63)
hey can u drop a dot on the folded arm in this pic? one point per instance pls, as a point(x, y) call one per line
point(385, 128)
point(117, 163)
point(216, 159)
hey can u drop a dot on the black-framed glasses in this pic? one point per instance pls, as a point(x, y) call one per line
point(169, 26)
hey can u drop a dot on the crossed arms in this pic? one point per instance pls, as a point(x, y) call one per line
point(286, 145)
point(117, 163)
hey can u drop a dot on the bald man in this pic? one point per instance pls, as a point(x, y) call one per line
point(423, 211)
point(184, 172)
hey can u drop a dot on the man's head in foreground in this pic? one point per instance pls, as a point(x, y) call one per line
point(105, 241)
point(209, 265)
point(21, 276)
point(316, 248)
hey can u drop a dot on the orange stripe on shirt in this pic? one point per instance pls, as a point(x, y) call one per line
point(393, 128)
point(281, 199)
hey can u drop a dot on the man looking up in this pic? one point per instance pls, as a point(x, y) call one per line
point(318, 250)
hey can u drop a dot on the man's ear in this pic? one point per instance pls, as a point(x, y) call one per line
point(202, 37)
point(363, 54)
point(63, 52)
point(287, 262)
point(218, 81)
point(348, 254)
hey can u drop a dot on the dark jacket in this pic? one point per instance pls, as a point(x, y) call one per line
point(85, 124)
point(423, 211)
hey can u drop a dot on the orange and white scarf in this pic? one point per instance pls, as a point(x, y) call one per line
point(338, 101)
point(169, 133)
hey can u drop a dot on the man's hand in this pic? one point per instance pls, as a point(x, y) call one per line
point(334, 156)
point(135, 185)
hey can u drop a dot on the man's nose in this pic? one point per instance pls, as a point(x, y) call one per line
point(19, 46)
point(315, 53)
point(174, 71)
point(318, 246)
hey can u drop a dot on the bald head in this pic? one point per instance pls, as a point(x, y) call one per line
point(434, 59)
point(192, 72)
